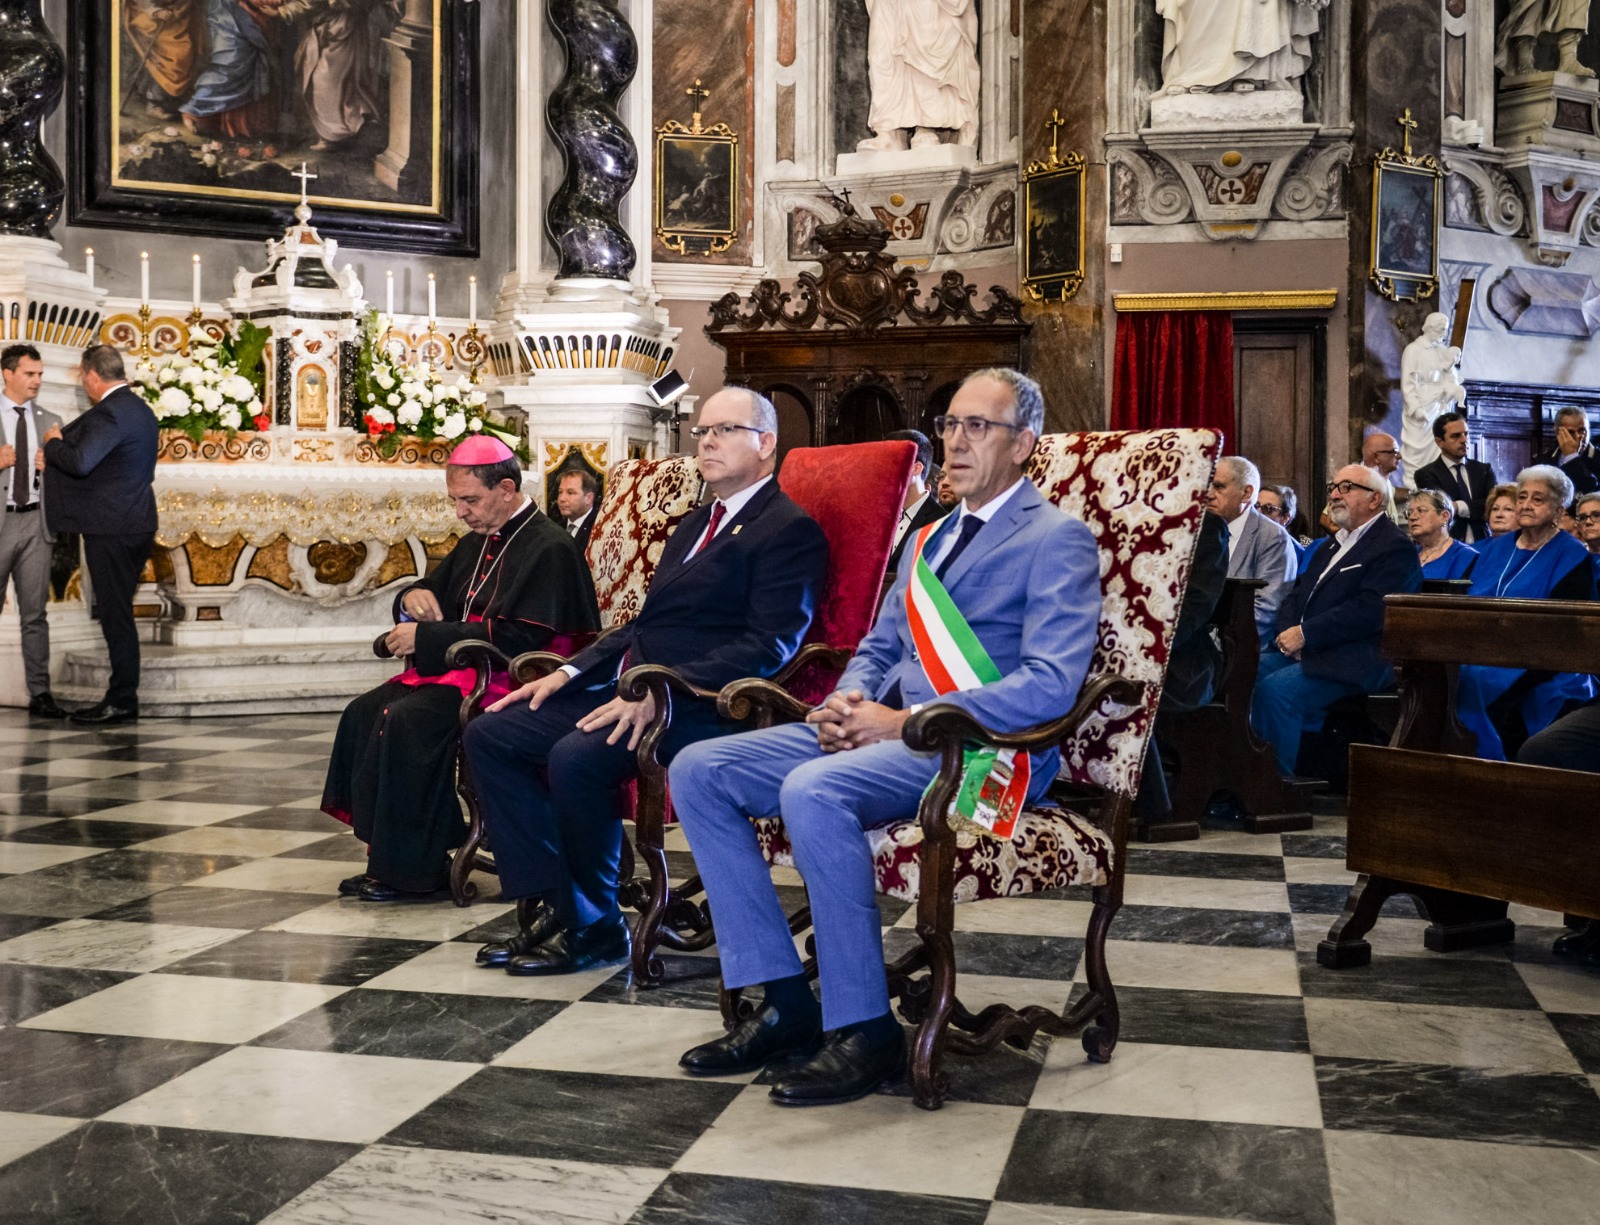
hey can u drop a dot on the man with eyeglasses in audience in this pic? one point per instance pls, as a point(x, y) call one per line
point(1280, 504)
point(1586, 514)
point(1006, 587)
point(1330, 627)
point(1381, 452)
point(732, 596)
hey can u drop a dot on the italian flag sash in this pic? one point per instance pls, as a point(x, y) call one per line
point(994, 782)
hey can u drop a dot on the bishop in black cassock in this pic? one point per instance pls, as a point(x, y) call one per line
point(518, 581)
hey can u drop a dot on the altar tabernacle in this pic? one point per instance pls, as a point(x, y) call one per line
point(517, 581)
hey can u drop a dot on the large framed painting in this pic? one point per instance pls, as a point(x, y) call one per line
point(1407, 189)
point(192, 117)
point(697, 184)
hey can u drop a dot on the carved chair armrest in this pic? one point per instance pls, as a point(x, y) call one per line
point(660, 682)
point(812, 653)
point(380, 646)
point(761, 701)
point(483, 658)
point(531, 665)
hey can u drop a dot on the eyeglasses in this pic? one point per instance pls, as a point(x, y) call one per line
point(1592, 517)
point(974, 427)
point(1272, 512)
point(1386, 452)
point(723, 429)
point(1346, 488)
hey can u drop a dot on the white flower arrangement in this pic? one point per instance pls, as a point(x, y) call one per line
point(421, 402)
point(198, 391)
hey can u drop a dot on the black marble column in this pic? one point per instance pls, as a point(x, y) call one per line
point(1395, 54)
point(600, 156)
point(32, 72)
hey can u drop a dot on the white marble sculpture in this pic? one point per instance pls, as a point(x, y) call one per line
point(1241, 45)
point(1567, 20)
point(922, 59)
point(1429, 385)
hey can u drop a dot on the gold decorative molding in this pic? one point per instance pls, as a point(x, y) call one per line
point(1242, 300)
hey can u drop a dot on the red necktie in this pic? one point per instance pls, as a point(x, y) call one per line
point(717, 511)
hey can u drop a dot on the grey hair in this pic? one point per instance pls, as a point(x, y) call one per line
point(1245, 472)
point(1572, 410)
point(1378, 484)
point(104, 361)
point(1552, 478)
point(1586, 497)
point(1027, 399)
point(1436, 499)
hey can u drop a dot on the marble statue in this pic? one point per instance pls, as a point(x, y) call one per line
point(922, 59)
point(1241, 45)
point(1429, 385)
point(1567, 20)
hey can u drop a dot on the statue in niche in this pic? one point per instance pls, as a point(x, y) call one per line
point(922, 59)
point(1429, 385)
point(311, 399)
point(1240, 45)
point(1567, 20)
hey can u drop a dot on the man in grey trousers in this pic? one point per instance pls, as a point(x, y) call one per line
point(24, 540)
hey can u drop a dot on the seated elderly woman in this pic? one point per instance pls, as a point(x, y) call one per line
point(1536, 562)
point(1587, 516)
point(1428, 515)
point(1501, 509)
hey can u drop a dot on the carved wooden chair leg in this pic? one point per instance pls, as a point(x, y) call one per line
point(929, 1085)
point(1100, 1039)
point(462, 890)
point(1345, 946)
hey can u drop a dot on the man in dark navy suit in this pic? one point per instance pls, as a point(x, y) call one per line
point(732, 597)
point(97, 481)
point(1466, 482)
point(1330, 628)
point(921, 506)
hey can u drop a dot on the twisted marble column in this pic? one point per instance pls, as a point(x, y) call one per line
point(600, 156)
point(32, 72)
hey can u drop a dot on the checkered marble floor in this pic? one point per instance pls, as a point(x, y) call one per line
point(194, 1028)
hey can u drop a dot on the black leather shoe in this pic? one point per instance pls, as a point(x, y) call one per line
point(604, 943)
point(376, 891)
point(543, 928)
point(756, 1041)
point(1579, 941)
point(104, 714)
point(846, 1068)
point(43, 706)
point(350, 886)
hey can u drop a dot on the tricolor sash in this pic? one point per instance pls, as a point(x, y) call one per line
point(994, 782)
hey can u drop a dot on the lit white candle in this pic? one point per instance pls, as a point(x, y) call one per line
point(144, 278)
point(196, 293)
point(88, 264)
point(472, 300)
point(388, 308)
point(433, 312)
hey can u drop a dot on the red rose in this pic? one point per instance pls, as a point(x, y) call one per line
point(263, 421)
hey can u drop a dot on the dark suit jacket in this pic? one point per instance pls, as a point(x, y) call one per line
point(1583, 470)
point(1195, 659)
point(584, 528)
point(97, 475)
point(1480, 480)
point(738, 608)
point(1343, 618)
point(929, 512)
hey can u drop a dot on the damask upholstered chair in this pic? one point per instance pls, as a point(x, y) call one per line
point(644, 501)
point(1141, 493)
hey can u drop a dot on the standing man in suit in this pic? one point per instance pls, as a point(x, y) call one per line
point(1257, 547)
point(921, 506)
point(1574, 454)
point(1466, 482)
point(575, 494)
point(98, 474)
point(1008, 572)
point(1330, 628)
point(24, 540)
point(732, 597)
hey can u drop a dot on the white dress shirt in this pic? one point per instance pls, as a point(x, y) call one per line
point(731, 506)
point(987, 511)
point(1346, 538)
point(906, 516)
point(8, 419)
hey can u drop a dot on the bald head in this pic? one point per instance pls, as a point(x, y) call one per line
point(1382, 452)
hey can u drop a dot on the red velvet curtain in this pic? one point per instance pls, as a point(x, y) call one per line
point(1174, 368)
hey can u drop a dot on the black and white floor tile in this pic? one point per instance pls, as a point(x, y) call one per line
point(195, 1028)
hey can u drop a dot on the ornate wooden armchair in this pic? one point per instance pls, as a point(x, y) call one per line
point(1141, 493)
point(855, 494)
point(644, 501)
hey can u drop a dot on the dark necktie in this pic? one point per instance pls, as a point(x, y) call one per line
point(1461, 483)
point(717, 511)
point(970, 526)
point(21, 470)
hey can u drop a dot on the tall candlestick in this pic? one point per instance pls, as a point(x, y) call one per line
point(195, 297)
point(433, 312)
point(388, 308)
point(144, 278)
point(472, 301)
point(88, 264)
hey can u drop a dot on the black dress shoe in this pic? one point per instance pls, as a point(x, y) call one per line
point(373, 890)
point(43, 706)
point(756, 1041)
point(604, 943)
point(1578, 942)
point(351, 885)
point(104, 714)
point(544, 927)
point(849, 1066)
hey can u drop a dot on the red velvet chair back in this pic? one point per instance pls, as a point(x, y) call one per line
point(855, 493)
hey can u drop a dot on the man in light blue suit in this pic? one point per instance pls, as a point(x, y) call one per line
point(1257, 547)
point(1026, 579)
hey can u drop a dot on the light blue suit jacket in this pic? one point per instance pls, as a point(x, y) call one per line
point(1029, 586)
point(1265, 551)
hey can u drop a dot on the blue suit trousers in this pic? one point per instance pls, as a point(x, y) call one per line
point(1288, 703)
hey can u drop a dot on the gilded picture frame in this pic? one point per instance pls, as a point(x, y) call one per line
point(1053, 202)
point(1407, 202)
point(696, 187)
point(194, 115)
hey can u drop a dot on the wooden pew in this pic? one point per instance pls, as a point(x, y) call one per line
point(1214, 748)
point(1465, 837)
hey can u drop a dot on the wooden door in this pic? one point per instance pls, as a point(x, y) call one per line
point(1279, 395)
